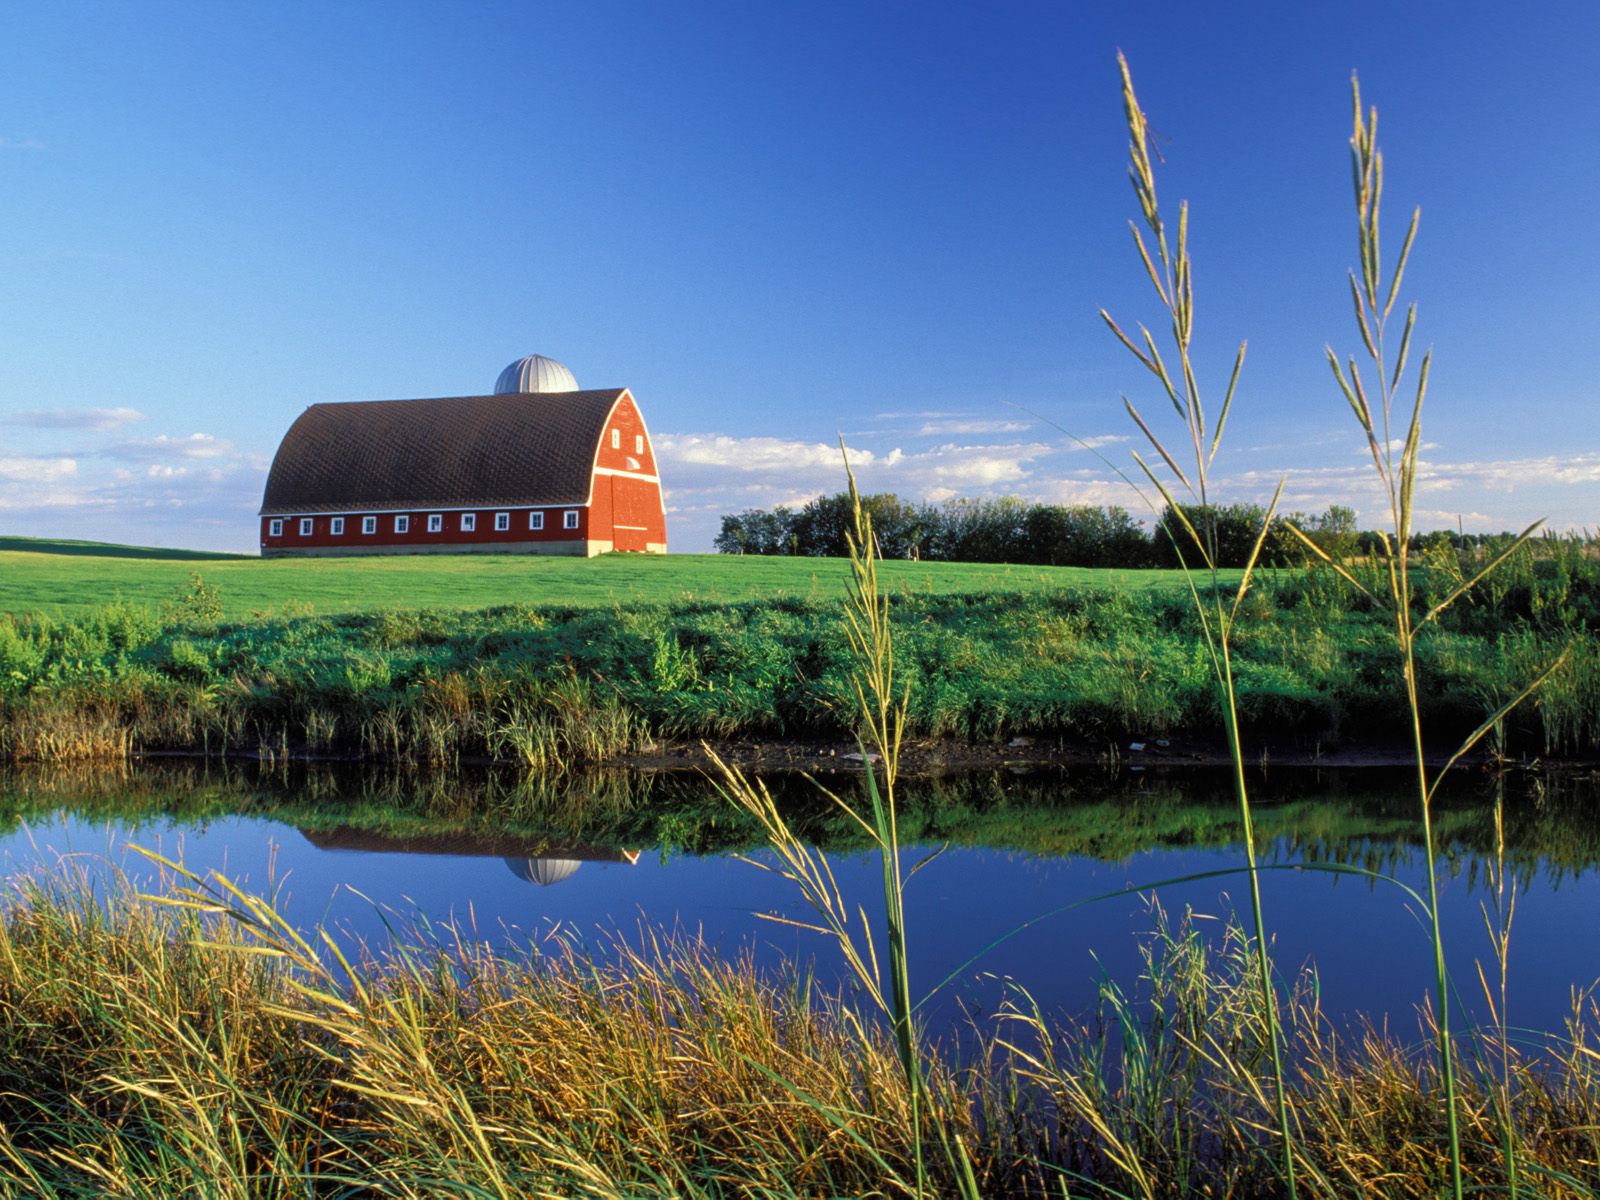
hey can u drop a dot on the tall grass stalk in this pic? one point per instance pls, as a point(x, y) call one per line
point(1498, 914)
point(1171, 274)
point(1373, 401)
point(881, 702)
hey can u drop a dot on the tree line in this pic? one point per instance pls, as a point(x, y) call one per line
point(1013, 530)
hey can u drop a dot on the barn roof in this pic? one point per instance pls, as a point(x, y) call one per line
point(463, 451)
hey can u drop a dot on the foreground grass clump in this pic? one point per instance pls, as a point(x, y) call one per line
point(146, 1049)
point(539, 685)
point(145, 1046)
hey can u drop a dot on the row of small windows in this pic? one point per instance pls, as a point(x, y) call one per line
point(402, 524)
point(638, 441)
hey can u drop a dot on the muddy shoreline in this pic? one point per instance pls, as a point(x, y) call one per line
point(939, 757)
point(924, 758)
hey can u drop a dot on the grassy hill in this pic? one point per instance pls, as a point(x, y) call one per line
point(80, 549)
point(433, 659)
point(70, 578)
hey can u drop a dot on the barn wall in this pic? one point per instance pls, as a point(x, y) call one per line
point(417, 540)
point(599, 504)
point(637, 522)
point(558, 549)
point(625, 419)
point(626, 501)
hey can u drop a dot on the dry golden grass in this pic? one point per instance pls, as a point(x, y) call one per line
point(149, 1044)
point(194, 1044)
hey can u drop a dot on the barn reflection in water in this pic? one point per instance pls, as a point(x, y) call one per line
point(534, 860)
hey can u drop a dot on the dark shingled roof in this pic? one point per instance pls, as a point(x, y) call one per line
point(512, 450)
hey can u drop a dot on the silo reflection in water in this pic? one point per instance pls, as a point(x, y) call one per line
point(543, 871)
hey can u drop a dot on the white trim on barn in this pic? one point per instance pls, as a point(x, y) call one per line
point(434, 508)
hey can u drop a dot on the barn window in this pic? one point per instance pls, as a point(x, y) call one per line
point(306, 526)
point(535, 520)
point(402, 524)
point(569, 519)
point(369, 524)
point(435, 522)
point(338, 527)
point(502, 522)
point(638, 443)
point(275, 528)
point(616, 439)
point(469, 522)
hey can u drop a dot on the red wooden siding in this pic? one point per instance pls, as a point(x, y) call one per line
point(629, 506)
point(417, 535)
point(635, 513)
point(625, 419)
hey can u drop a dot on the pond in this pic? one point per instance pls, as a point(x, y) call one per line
point(519, 861)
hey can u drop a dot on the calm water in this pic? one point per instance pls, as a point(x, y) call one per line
point(1026, 845)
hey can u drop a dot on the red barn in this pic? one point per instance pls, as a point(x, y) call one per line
point(539, 467)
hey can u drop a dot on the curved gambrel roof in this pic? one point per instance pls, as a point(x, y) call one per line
point(459, 452)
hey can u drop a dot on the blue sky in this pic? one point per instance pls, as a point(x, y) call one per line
point(776, 224)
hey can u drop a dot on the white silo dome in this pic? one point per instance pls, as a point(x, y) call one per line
point(535, 373)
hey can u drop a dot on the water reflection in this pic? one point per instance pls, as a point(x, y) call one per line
point(533, 860)
point(1366, 817)
point(464, 848)
point(547, 871)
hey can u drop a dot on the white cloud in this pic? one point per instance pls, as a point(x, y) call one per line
point(1506, 474)
point(711, 461)
point(953, 465)
point(36, 470)
point(23, 509)
point(29, 484)
point(196, 445)
point(752, 453)
point(1397, 447)
point(1102, 493)
point(1493, 475)
point(1328, 437)
point(21, 143)
point(1097, 443)
point(1520, 490)
point(97, 420)
point(966, 428)
point(1472, 522)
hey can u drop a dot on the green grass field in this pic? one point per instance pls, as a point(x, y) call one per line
point(69, 578)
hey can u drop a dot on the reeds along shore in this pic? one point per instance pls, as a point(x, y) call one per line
point(147, 1045)
point(566, 686)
